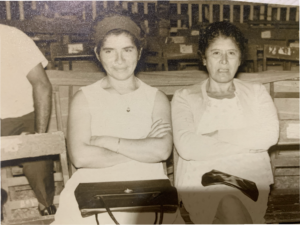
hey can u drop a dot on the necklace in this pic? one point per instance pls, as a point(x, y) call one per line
point(125, 96)
point(127, 102)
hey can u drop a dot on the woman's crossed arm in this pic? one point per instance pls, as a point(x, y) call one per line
point(156, 147)
point(95, 152)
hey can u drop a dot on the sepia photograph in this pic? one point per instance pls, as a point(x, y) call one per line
point(150, 112)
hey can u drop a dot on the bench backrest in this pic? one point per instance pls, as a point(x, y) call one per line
point(66, 83)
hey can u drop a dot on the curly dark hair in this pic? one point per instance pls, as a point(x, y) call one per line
point(118, 10)
point(222, 29)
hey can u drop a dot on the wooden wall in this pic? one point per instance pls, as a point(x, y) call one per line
point(182, 13)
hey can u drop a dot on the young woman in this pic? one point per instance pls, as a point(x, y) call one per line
point(119, 128)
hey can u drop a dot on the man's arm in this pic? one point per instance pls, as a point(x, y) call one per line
point(42, 92)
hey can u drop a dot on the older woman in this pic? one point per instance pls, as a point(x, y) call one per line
point(227, 125)
point(119, 128)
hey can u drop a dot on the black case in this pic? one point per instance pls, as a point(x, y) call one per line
point(126, 196)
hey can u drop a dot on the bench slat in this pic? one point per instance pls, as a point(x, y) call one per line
point(287, 172)
point(43, 220)
point(283, 199)
point(283, 208)
point(286, 162)
point(25, 146)
point(16, 181)
point(282, 217)
point(164, 78)
point(285, 129)
point(28, 203)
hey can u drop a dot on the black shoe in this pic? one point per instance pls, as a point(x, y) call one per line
point(51, 210)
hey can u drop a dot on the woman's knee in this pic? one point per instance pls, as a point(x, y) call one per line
point(230, 202)
point(232, 209)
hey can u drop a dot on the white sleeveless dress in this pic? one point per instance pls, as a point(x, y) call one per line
point(110, 117)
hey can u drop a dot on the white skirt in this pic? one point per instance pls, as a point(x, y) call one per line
point(68, 211)
point(202, 202)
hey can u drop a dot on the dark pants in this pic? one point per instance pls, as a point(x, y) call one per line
point(38, 172)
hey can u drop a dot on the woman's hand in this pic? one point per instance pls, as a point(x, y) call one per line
point(159, 129)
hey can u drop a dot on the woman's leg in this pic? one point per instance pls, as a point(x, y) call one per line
point(232, 211)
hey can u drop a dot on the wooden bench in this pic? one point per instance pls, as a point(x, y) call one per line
point(284, 156)
point(66, 83)
point(23, 147)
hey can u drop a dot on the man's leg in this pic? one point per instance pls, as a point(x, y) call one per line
point(40, 177)
point(39, 173)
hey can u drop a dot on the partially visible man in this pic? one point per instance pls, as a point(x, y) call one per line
point(26, 105)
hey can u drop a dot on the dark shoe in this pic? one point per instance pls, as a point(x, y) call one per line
point(51, 210)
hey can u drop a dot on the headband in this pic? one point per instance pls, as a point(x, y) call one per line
point(115, 22)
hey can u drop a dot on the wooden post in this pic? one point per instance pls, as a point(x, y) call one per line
point(94, 7)
point(146, 12)
point(116, 3)
point(190, 14)
point(200, 13)
point(221, 12)
point(21, 9)
point(8, 13)
point(33, 5)
point(231, 13)
point(278, 13)
point(297, 14)
point(163, 16)
point(262, 12)
point(178, 12)
point(104, 4)
point(269, 13)
point(211, 19)
point(125, 5)
point(83, 14)
point(287, 14)
point(251, 12)
point(59, 121)
point(241, 13)
point(135, 7)
point(64, 167)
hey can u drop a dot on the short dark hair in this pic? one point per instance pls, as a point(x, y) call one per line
point(222, 29)
point(119, 11)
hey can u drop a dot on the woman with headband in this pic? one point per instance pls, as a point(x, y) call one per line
point(119, 128)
